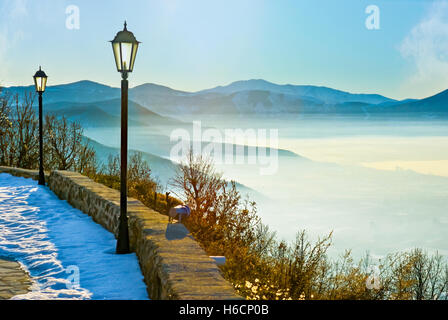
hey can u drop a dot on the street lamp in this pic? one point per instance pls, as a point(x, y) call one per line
point(40, 81)
point(125, 48)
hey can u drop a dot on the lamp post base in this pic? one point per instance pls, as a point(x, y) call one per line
point(41, 181)
point(123, 239)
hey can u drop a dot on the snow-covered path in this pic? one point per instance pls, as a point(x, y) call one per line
point(60, 245)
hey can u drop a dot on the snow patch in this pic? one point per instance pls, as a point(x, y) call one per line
point(48, 238)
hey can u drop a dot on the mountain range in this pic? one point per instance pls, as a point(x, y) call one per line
point(240, 97)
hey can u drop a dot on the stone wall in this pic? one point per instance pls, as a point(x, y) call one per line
point(172, 262)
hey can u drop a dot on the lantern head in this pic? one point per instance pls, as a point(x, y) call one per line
point(40, 80)
point(125, 47)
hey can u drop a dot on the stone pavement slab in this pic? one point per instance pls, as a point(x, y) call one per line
point(13, 279)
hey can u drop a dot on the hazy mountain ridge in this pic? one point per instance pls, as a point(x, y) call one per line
point(80, 91)
point(162, 169)
point(435, 104)
point(323, 94)
point(240, 97)
point(250, 96)
point(91, 116)
point(108, 113)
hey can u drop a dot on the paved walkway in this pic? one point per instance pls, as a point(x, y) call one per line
point(13, 279)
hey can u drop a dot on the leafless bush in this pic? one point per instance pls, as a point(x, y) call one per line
point(19, 133)
point(260, 267)
point(64, 148)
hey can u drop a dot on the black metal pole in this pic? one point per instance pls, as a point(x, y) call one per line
point(123, 231)
point(41, 159)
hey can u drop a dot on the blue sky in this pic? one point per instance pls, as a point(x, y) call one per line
point(197, 44)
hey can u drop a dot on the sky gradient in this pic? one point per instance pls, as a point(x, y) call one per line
point(197, 44)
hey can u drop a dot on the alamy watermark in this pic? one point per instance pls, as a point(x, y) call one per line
point(73, 278)
point(373, 20)
point(72, 20)
point(228, 146)
point(373, 281)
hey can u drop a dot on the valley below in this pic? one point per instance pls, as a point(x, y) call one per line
point(339, 182)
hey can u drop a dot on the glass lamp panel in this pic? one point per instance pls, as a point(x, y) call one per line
point(36, 84)
point(134, 53)
point(43, 83)
point(117, 55)
point(40, 83)
point(126, 52)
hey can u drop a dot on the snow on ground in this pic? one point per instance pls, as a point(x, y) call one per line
point(53, 241)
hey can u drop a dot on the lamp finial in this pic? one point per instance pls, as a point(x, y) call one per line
point(125, 25)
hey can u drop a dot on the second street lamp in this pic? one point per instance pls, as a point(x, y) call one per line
point(125, 48)
point(40, 81)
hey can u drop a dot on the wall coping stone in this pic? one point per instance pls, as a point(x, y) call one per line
point(25, 173)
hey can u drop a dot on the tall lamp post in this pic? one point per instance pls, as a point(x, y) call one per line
point(125, 48)
point(40, 81)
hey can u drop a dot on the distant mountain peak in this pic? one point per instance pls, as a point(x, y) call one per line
point(84, 84)
point(155, 87)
